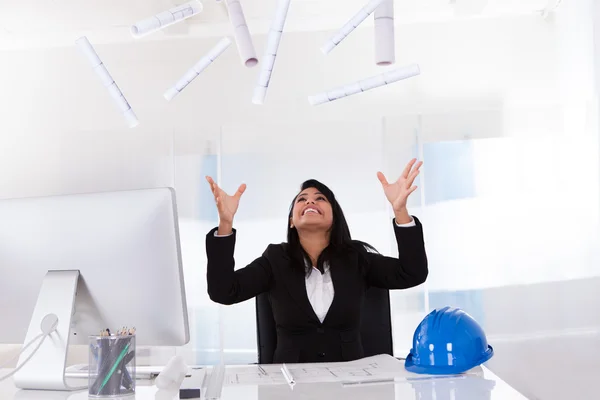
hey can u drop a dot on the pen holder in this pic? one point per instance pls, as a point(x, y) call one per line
point(111, 366)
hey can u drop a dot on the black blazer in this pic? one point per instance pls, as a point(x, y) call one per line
point(301, 337)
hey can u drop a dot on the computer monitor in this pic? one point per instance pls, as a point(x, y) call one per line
point(97, 261)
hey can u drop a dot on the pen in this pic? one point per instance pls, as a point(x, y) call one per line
point(368, 382)
point(394, 380)
point(288, 376)
point(126, 380)
point(114, 367)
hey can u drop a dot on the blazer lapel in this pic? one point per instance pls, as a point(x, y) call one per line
point(339, 270)
point(296, 286)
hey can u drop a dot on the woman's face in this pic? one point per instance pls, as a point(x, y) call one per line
point(312, 211)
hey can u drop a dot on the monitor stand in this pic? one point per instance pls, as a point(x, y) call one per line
point(46, 369)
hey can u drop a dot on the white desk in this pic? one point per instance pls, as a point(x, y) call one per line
point(483, 385)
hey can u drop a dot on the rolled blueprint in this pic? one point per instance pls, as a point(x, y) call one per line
point(200, 66)
point(107, 81)
point(352, 24)
point(385, 53)
point(268, 61)
point(166, 18)
point(172, 375)
point(241, 33)
point(366, 84)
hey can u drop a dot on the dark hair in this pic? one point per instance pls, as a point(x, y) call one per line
point(340, 241)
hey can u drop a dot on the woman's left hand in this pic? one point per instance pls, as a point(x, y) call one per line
point(397, 193)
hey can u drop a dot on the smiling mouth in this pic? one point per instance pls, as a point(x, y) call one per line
point(311, 211)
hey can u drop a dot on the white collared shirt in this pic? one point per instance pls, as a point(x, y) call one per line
point(319, 287)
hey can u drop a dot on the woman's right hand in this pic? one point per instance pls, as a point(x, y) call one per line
point(226, 205)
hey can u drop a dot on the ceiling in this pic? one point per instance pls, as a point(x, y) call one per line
point(32, 23)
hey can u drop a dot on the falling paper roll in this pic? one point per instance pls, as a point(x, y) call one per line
point(107, 81)
point(200, 66)
point(352, 24)
point(241, 33)
point(172, 375)
point(366, 84)
point(166, 18)
point(268, 61)
point(384, 34)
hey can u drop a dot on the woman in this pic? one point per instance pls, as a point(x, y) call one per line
point(317, 280)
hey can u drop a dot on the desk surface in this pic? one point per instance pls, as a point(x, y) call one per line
point(483, 385)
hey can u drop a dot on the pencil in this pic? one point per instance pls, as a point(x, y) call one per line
point(114, 367)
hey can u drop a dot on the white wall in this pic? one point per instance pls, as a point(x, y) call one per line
point(55, 115)
point(479, 62)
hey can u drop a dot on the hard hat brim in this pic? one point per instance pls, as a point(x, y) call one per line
point(410, 365)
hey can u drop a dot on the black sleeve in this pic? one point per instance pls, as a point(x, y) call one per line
point(409, 269)
point(226, 286)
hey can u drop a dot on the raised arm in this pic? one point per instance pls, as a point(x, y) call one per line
point(226, 286)
point(409, 269)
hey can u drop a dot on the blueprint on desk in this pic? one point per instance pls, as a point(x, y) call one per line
point(369, 368)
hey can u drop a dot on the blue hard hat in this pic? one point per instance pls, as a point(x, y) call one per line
point(447, 341)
